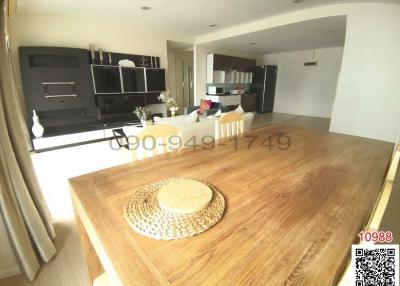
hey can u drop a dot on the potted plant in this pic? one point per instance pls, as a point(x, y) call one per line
point(144, 114)
point(170, 102)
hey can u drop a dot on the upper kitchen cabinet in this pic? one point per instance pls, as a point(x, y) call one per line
point(228, 69)
point(155, 79)
point(222, 62)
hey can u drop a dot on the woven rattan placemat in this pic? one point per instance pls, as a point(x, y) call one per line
point(147, 218)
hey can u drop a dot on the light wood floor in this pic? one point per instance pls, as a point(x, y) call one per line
point(68, 267)
point(319, 123)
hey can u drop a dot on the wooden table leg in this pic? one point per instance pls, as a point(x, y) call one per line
point(92, 261)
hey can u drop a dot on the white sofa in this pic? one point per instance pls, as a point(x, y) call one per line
point(205, 127)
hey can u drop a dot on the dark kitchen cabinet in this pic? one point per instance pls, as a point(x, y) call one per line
point(249, 102)
point(155, 79)
point(223, 62)
point(133, 80)
point(106, 79)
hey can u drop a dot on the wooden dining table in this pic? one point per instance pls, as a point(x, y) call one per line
point(295, 201)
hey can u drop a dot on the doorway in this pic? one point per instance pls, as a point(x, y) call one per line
point(184, 79)
point(180, 74)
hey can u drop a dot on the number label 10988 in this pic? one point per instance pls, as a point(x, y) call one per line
point(376, 236)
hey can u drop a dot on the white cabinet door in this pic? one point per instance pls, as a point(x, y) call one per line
point(230, 77)
point(219, 77)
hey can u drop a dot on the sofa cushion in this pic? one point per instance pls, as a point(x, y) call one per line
point(215, 105)
point(205, 104)
point(239, 109)
point(175, 121)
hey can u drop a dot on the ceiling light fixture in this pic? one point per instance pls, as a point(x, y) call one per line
point(252, 44)
point(213, 25)
point(145, 8)
point(298, 1)
point(313, 61)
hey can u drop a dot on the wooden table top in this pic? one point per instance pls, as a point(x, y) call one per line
point(291, 215)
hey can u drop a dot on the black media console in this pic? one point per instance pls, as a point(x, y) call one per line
point(71, 93)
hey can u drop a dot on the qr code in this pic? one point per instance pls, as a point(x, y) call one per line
point(375, 265)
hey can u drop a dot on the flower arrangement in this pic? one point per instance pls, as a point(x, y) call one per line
point(143, 113)
point(170, 102)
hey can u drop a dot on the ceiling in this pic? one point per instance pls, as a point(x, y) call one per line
point(191, 17)
point(179, 46)
point(313, 34)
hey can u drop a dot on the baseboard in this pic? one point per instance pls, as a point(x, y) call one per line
point(9, 272)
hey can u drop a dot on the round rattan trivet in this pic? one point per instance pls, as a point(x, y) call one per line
point(146, 217)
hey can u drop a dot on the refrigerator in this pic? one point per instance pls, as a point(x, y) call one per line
point(263, 84)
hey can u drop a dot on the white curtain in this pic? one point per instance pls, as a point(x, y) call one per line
point(25, 214)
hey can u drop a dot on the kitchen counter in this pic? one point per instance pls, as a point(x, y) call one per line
point(290, 215)
point(222, 94)
point(247, 100)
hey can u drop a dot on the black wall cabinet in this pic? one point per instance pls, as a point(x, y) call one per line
point(133, 79)
point(72, 94)
point(57, 84)
point(155, 79)
point(121, 80)
point(106, 79)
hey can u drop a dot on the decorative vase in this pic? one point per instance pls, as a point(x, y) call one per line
point(146, 123)
point(37, 128)
point(173, 110)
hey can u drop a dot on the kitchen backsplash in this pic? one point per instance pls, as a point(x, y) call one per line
point(231, 86)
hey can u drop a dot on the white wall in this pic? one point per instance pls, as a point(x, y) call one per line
point(200, 65)
point(306, 90)
point(367, 102)
point(171, 79)
point(367, 99)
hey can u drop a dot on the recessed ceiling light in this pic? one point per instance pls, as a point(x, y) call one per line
point(298, 1)
point(252, 44)
point(213, 25)
point(145, 8)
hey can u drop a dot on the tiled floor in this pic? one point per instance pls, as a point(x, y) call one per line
point(68, 267)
